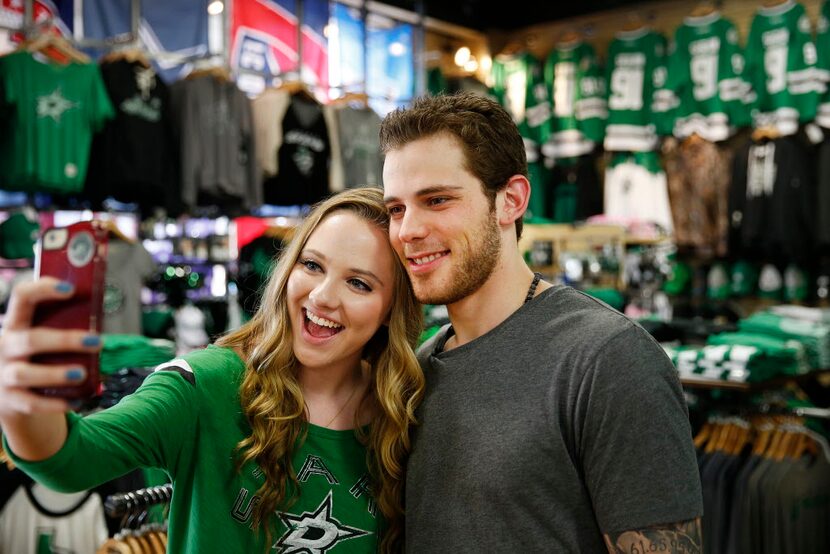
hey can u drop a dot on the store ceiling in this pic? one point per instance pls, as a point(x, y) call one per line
point(487, 15)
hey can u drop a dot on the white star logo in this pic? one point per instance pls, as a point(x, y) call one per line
point(314, 533)
point(54, 105)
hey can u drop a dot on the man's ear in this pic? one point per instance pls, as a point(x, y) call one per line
point(512, 200)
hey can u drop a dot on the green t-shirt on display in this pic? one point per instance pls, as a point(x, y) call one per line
point(187, 420)
point(53, 111)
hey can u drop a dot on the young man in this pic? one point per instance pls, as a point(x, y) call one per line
point(551, 423)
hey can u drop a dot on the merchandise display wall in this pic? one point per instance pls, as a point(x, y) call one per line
point(680, 170)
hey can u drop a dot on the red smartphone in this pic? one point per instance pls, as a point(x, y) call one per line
point(76, 254)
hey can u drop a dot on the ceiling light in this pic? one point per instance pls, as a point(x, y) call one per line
point(215, 8)
point(471, 65)
point(462, 56)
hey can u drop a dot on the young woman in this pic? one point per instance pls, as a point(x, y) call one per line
point(289, 434)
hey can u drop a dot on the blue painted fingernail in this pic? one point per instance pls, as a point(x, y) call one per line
point(75, 374)
point(63, 286)
point(91, 340)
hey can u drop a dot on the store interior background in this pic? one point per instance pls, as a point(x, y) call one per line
point(200, 265)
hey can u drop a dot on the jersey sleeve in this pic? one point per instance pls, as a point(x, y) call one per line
point(731, 87)
point(636, 443)
point(754, 75)
point(823, 64)
point(150, 428)
point(591, 107)
point(802, 79)
point(100, 107)
point(662, 104)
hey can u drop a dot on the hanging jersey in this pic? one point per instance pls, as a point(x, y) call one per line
point(636, 190)
point(38, 520)
point(519, 86)
point(637, 105)
point(303, 157)
point(360, 146)
point(780, 68)
point(577, 89)
point(50, 113)
point(132, 156)
point(705, 70)
point(772, 202)
point(823, 64)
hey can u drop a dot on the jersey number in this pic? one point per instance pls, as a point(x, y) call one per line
point(564, 89)
point(775, 64)
point(704, 71)
point(626, 88)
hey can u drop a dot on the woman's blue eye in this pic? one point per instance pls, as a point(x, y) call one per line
point(310, 265)
point(360, 284)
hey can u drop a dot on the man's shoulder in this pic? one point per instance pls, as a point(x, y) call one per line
point(428, 346)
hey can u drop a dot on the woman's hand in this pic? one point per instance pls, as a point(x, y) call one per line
point(19, 341)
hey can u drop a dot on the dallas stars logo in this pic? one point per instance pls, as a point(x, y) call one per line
point(314, 533)
point(54, 105)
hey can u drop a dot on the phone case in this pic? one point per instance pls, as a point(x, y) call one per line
point(76, 254)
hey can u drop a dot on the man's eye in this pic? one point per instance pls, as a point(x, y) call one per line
point(438, 200)
point(395, 210)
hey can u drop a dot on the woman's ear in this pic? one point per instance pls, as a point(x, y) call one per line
point(512, 200)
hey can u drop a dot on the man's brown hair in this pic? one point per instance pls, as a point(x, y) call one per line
point(493, 148)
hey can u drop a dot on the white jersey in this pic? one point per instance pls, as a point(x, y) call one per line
point(37, 519)
point(633, 193)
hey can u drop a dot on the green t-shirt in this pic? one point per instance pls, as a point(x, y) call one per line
point(51, 112)
point(188, 422)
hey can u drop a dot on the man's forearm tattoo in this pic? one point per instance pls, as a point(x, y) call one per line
point(684, 537)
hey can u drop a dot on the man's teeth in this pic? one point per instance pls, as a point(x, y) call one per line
point(427, 259)
point(321, 321)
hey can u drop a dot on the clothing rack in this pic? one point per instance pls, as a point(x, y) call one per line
point(127, 503)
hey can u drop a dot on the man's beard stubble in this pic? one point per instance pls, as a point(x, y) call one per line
point(475, 268)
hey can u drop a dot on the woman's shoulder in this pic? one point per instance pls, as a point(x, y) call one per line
point(207, 366)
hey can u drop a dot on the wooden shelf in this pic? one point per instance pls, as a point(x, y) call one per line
point(774, 383)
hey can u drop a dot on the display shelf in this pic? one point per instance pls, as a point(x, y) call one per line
point(775, 383)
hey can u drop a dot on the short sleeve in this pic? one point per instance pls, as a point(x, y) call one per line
point(636, 443)
point(8, 82)
point(101, 108)
point(146, 266)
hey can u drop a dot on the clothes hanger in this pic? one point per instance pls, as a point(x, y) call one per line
point(703, 435)
point(50, 44)
point(357, 99)
point(570, 37)
point(766, 132)
point(130, 54)
point(634, 22)
point(115, 232)
point(703, 9)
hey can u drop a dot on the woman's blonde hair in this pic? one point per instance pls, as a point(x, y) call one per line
point(272, 399)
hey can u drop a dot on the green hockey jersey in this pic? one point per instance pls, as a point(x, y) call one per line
point(704, 79)
point(50, 114)
point(519, 86)
point(577, 88)
point(781, 68)
point(823, 64)
point(638, 106)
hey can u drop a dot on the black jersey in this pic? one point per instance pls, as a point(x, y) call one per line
point(304, 157)
point(132, 156)
point(772, 201)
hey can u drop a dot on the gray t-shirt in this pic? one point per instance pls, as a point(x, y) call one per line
point(564, 422)
point(360, 147)
point(128, 266)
